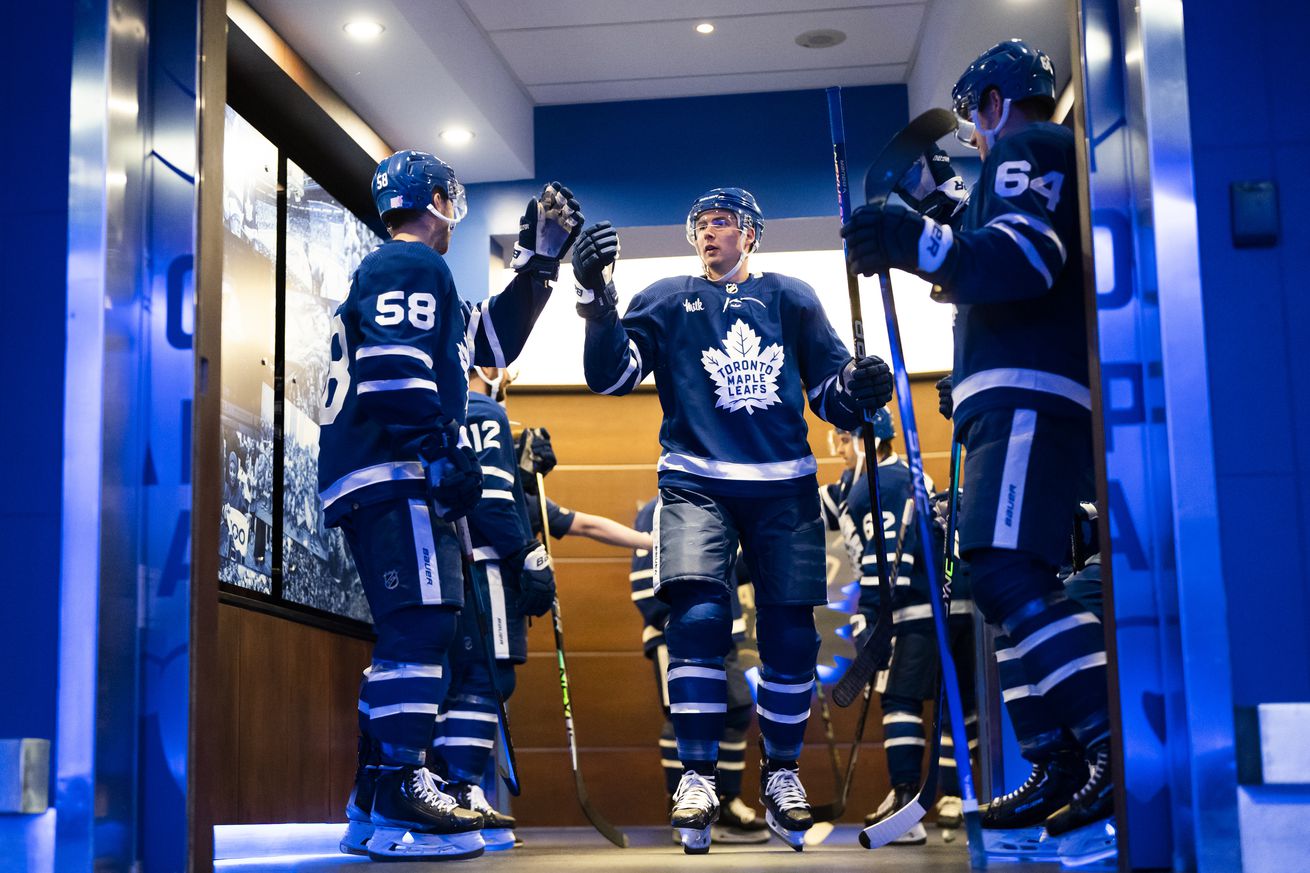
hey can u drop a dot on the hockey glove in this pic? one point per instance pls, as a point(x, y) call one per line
point(593, 269)
point(932, 187)
point(945, 403)
point(869, 382)
point(453, 473)
point(887, 236)
point(536, 580)
point(548, 227)
point(536, 455)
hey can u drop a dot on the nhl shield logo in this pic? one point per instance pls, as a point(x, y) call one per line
point(391, 580)
point(744, 376)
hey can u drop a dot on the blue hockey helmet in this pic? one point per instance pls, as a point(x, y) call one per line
point(738, 201)
point(882, 425)
point(407, 179)
point(1014, 68)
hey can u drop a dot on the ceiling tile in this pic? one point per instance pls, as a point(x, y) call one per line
point(698, 86)
point(517, 14)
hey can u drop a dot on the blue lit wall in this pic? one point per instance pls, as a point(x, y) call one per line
point(1243, 69)
point(642, 162)
point(34, 252)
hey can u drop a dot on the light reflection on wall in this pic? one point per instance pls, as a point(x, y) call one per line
point(553, 355)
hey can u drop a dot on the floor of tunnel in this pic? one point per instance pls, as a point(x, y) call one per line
point(312, 849)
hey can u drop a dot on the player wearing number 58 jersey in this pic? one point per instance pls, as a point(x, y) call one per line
point(391, 452)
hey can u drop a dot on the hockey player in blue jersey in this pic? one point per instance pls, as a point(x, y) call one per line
point(735, 358)
point(390, 446)
point(1013, 268)
point(517, 581)
point(911, 675)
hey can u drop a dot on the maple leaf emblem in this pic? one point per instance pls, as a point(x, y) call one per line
point(745, 377)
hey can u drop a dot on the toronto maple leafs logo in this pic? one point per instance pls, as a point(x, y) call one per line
point(745, 377)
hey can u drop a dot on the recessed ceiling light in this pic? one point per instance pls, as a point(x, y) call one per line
point(456, 136)
point(820, 39)
point(705, 27)
point(363, 29)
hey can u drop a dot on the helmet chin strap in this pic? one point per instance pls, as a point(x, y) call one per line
point(446, 218)
point(989, 135)
point(493, 384)
point(735, 267)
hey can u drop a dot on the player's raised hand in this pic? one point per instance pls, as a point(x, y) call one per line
point(931, 186)
point(593, 269)
point(550, 224)
point(869, 382)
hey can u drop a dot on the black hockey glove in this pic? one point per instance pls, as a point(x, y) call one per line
point(869, 382)
point(932, 187)
point(887, 236)
point(593, 270)
point(536, 580)
point(548, 227)
point(945, 404)
point(453, 476)
point(536, 455)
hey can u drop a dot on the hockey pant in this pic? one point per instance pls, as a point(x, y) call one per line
point(699, 636)
point(732, 746)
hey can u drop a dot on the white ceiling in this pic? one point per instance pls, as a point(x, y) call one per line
point(484, 64)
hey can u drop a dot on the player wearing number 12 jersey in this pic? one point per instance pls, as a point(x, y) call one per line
point(390, 452)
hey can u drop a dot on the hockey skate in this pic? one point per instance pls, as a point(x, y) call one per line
point(1085, 828)
point(738, 823)
point(497, 827)
point(786, 809)
point(1013, 824)
point(359, 811)
point(950, 816)
point(695, 809)
point(896, 799)
point(414, 820)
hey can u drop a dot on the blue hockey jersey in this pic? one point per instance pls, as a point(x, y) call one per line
point(734, 365)
point(895, 488)
point(498, 525)
point(400, 349)
point(1020, 324)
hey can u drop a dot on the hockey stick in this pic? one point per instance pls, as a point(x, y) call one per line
point(606, 830)
point(835, 810)
point(897, 157)
point(482, 613)
point(875, 650)
point(883, 832)
point(905, 402)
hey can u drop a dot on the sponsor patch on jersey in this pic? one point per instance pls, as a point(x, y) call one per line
point(745, 377)
point(693, 305)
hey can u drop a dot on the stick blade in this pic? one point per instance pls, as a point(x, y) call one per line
point(602, 826)
point(903, 150)
point(880, 833)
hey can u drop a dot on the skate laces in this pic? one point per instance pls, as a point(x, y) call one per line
point(696, 790)
point(427, 788)
point(784, 786)
point(1028, 784)
point(1096, 782)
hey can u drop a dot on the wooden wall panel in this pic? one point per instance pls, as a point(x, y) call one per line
point(288, 691)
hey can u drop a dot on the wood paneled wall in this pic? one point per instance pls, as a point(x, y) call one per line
point(289, 734)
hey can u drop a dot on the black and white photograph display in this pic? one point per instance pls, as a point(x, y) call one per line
point(324, 244)
point(249, 304)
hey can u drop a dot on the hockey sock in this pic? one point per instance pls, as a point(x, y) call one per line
point(1035, 726)
point(407, 681)
point(669, 758)
point(732, 761)
point(699, 635)
point(903, 738)
point(789, 647)
point(467, 725)
point(1062, 647)
point(949, 777)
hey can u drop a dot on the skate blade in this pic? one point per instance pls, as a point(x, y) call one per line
point(498, 839)
point(695, 841)
point(398, 844)
point(795, 839)
point(817, 834)
point(1020, 844)
point(355, 840)
point(736, 836)
point(1089, 847)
